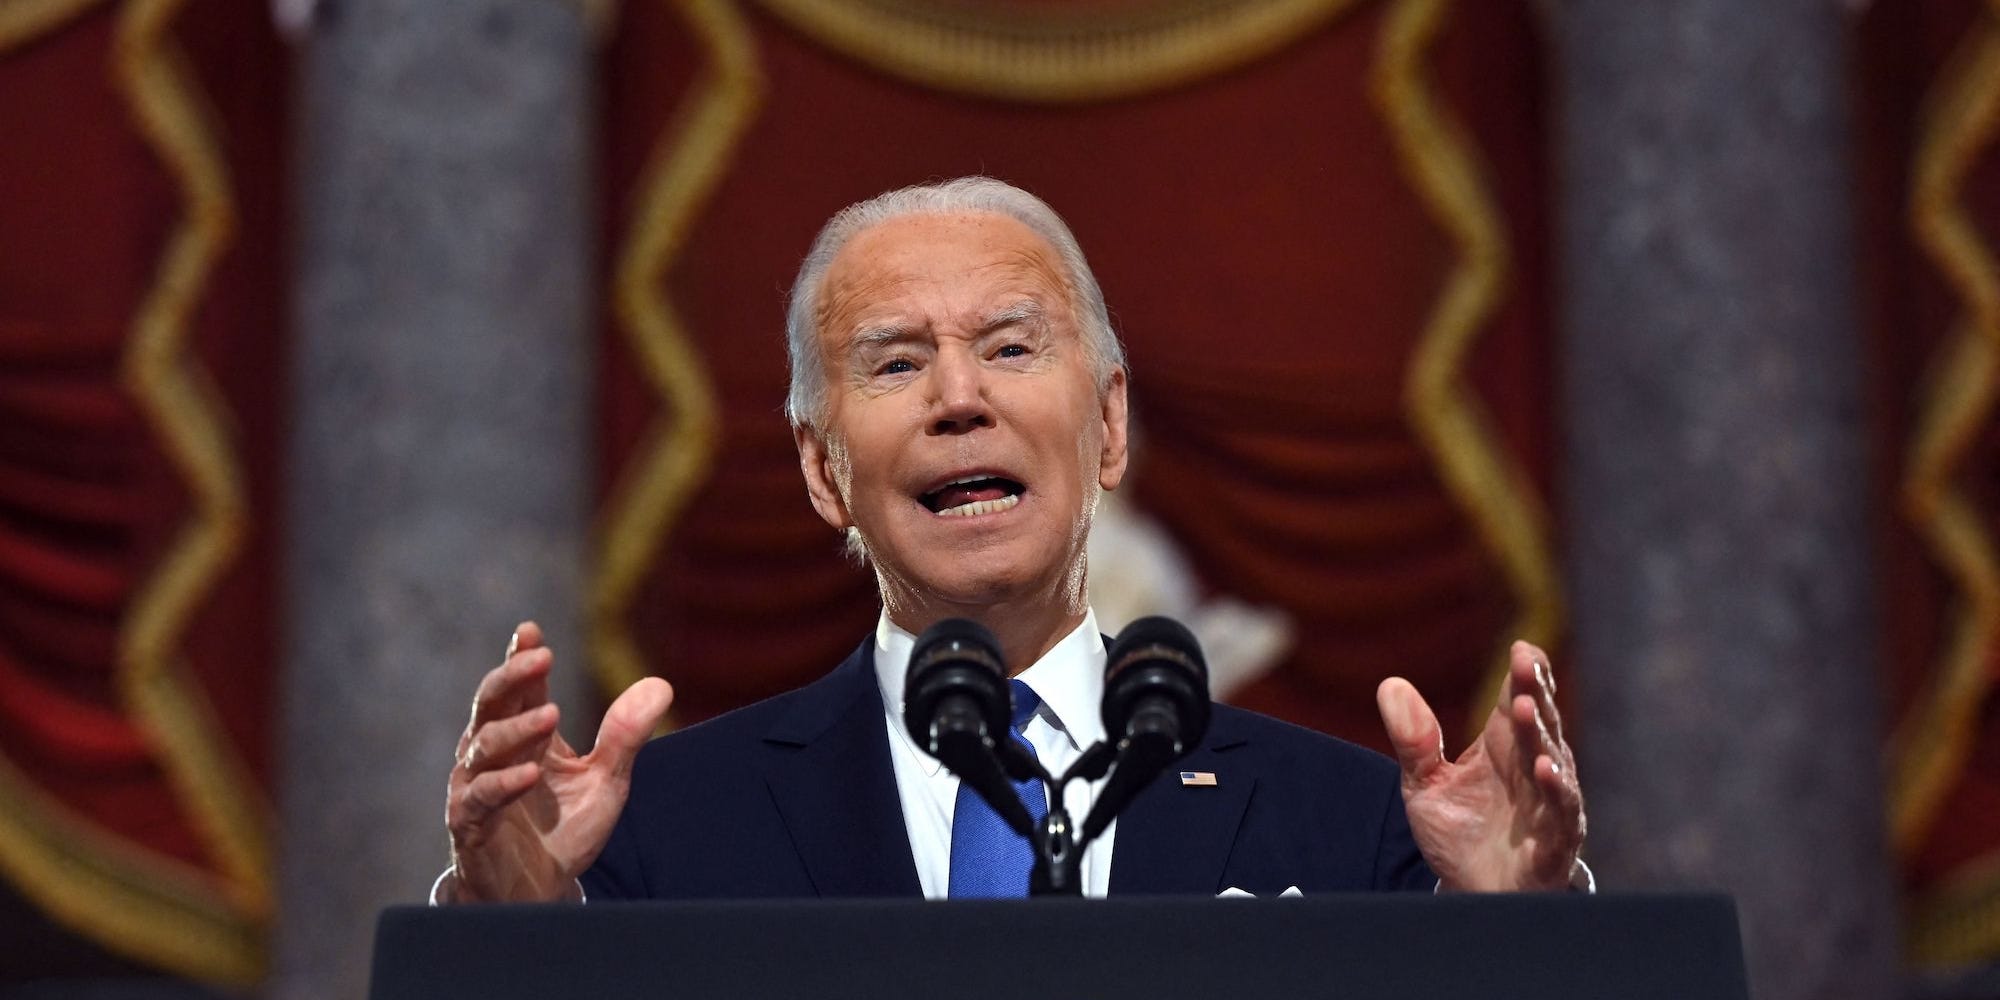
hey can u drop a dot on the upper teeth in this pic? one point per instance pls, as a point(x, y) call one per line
point(969, 479)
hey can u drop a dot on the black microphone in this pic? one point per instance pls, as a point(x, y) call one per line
point(1156, 707)
point(958, 707)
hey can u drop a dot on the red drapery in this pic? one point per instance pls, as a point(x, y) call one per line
point(1271, 260)
point(140, 351)
point(1278, 227)
point(1927, 76)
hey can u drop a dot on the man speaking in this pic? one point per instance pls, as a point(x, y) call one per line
point(958, 399)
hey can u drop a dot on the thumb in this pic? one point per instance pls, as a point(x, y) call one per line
point(629, 722)
point(1413, 728)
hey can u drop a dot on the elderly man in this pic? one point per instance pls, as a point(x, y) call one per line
point(959, 400)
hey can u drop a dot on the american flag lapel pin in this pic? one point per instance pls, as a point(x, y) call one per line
point(1198, 779)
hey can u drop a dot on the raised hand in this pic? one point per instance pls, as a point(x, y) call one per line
point(526, 813)
point(1508, 813)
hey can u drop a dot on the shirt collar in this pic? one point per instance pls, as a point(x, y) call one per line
point(1069, 679)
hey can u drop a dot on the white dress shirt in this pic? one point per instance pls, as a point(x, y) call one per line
point(1069, 679)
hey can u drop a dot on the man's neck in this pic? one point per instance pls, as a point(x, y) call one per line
point(1026, 632)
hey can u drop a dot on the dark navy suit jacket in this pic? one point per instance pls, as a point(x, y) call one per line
point(796, 797)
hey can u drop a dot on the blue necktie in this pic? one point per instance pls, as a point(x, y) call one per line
point(988, 859)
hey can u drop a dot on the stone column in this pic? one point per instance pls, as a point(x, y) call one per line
point(1715, 508)
point(440, 439)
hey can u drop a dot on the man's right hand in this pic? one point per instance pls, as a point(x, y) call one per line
point(526, 813)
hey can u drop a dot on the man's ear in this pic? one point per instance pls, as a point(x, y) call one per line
point(1111, 464)
point(816, 462)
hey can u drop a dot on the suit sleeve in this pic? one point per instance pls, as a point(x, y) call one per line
point(618, 872)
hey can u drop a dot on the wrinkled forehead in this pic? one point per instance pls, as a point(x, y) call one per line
point(941, 265)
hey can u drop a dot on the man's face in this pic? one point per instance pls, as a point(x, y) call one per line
point(965, 434)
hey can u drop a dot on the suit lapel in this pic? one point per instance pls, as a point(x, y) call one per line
point(829, 772)
point(1175, 838)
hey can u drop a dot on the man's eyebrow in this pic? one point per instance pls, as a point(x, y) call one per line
point(877, 336)
point(1026, 312)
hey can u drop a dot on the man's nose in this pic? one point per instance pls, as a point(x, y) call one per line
point(960, 402)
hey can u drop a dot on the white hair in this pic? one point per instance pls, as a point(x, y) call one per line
point(806, 403)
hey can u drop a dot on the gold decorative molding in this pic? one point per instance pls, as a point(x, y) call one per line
point(23, 21)
point(189, 417)
point(1958, 923)
point(1956, 128)
point(133, 900)
point(678, 449)
point(1441, 164)
point(1046, 52)
point(137, 902)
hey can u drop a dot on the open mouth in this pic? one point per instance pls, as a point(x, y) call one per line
point(973, 495)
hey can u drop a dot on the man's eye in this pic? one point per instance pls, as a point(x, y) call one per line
point(896, 367)
point(1012, 351)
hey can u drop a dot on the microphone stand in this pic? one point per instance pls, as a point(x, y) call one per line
point(1058, 849)
point(1156, 694)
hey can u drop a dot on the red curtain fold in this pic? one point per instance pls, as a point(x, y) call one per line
point(104, 736)
point(1268, 265)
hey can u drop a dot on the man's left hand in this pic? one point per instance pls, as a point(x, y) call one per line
point(1507, 814)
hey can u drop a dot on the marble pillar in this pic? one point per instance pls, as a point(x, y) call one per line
point(1715, 495)
point(440, 438)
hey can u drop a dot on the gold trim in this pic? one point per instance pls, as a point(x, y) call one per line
point(1959, 922)
point(1045, 53)
point(1931, 742)
point(142, 904)
point(188, 414)
point(135, 901)
point(679, 448)
point(1440, 162)
point(23, 21)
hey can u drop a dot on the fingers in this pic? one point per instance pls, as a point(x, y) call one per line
point(1413, 729)
point(527, 635)
point(1561, 787)
point(519, 683)
point(629, 722)
point(1529, 674)
point(511, 723)
point(1539, 731)
point(513, 740)
point(1530, 704)
point(474, 802)
point(1564, 825)
point(1539, 723)
point(1532, 738)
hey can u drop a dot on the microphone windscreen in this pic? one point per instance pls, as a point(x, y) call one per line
point(1157, 661)
point(956, 659)
point(1156, 708)
point(1156, 631)
point(970, 636)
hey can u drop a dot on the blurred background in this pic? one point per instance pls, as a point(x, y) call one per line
point(338, 336)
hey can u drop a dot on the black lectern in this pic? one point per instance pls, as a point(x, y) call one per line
point(1371, 947)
